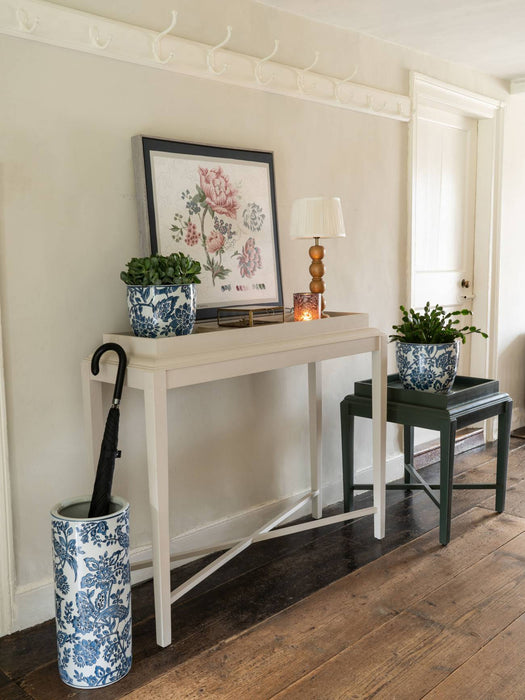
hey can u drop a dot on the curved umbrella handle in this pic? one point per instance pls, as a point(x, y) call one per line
point(122, 364)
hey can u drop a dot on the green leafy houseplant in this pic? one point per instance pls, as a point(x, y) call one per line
point(173, 269)
point(433, 326)
point(427, 348)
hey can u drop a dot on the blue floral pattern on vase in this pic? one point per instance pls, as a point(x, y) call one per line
point(427, 367)
point(92, 593)
point(162, 311)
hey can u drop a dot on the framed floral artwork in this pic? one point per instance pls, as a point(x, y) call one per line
point(217, 205)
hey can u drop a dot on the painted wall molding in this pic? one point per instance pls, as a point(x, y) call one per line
point(38, 20)
point(436, 93)
point(7, 569)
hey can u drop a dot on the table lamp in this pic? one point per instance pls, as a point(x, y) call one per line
point(317, 217)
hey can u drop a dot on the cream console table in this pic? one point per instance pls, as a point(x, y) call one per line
point(157, 365)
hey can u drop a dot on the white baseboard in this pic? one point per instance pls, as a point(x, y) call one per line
point(394, 470)
point(34, 603)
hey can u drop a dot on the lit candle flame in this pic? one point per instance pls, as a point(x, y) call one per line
point(307, 316)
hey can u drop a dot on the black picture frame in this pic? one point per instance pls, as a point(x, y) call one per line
point(217, 205)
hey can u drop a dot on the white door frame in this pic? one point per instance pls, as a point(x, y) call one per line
point(7, 569)
point(489, 114)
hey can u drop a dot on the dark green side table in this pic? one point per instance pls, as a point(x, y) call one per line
point(470, 400)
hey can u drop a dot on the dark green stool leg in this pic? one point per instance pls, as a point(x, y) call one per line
point(448, 439)
point(504, 421)
point(347, 443)
point(408, 445)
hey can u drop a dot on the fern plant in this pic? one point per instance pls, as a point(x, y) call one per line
point(176, 268)
point(433, 326)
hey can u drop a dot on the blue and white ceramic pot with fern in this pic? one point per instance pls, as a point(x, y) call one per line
point(92, 593)
point(428, 366)
point(160, 311)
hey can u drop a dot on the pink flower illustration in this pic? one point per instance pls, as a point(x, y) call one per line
point(192, 237)
point(220, 195)
point(215, 241)
point(250, 259)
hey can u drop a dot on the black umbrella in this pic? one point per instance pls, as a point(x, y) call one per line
point(108, 450)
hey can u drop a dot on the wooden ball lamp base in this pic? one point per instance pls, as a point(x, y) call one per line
point(317, 270)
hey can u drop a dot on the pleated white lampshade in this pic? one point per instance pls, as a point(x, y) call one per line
point(317, 217)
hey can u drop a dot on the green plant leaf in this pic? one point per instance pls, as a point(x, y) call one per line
point(176, 268)
point(432, 326)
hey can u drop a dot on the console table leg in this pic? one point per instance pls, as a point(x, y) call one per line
point(379, 435)
point(448, 443)
point(408, 444)
point(315, 410)
point(504, 423)
point(155, 402)
point(347, 445)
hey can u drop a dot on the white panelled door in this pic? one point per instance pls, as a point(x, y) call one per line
point(444, 210)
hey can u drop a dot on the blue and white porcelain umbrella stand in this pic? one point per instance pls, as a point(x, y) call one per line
point(92, 592)
point(91, 568)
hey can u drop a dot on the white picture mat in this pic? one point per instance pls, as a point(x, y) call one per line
point(173, 174)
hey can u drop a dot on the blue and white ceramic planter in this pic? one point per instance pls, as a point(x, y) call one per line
point(163, 310)
point(428, 367)
point(92, 593)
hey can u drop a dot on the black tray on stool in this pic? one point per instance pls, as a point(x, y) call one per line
point(464, 389)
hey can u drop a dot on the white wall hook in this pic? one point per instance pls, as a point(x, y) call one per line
point(24, 21)
point(374, 107)
point(156, 41)
point(95, 39)
point(301, 73)
point(259, 65)
point(338, 83)
point(210, 58)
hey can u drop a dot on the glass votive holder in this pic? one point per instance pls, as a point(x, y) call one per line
point(306, 306)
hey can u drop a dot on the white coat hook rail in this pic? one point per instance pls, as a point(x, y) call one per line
point(25, 23)
point(155, 46)
point(55, 24)
point(260, 64)
point(339, 83)
point(95, 39)
point(210, 58)
point(301, 73)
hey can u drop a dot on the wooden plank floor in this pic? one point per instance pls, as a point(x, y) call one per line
point(395, 629)
point(333, 613)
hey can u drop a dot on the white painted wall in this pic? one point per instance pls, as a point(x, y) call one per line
point(68, 225)
point(511, 336)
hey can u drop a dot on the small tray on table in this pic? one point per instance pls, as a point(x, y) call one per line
point(463, 390)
